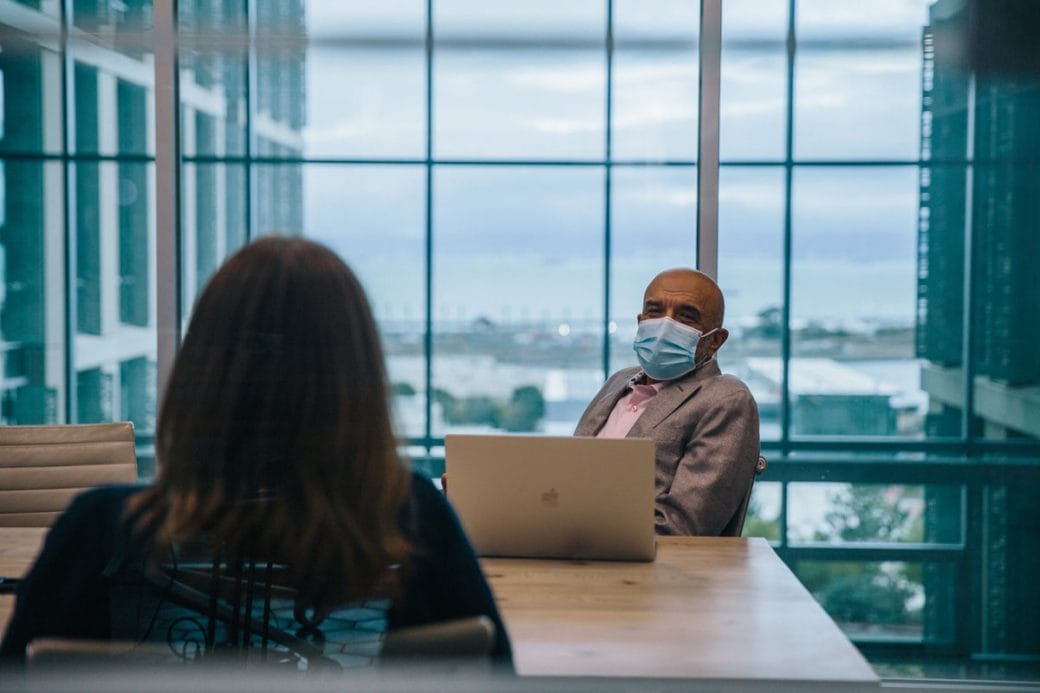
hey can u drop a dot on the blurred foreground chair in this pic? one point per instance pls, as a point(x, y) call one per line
point(460, 638)
point(736, 525)
point(43, 467)
point(46, 653)
point(206, 612)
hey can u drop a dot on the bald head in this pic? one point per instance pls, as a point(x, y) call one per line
point(695, 293)
point(691, 298)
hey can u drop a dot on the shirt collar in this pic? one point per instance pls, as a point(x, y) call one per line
point(637, 381)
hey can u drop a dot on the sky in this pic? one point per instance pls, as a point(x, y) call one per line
point(527, 242)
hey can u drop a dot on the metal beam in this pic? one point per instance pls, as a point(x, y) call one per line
point(708, 138)
point(167, 186)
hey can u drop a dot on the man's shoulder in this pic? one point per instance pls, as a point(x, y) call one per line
point(728, 387)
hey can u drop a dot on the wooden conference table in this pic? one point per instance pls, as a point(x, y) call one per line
point(717, 609)
point(707, 608)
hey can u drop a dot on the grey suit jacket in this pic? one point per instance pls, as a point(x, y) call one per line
point(705, 426)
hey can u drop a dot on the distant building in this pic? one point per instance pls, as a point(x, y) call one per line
point(995, 122)
point(827, 397)
point(77, 330)
point(1005, 227)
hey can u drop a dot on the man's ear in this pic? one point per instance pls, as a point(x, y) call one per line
point(720, 337)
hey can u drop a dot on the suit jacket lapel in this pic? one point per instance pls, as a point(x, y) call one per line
point(671, 397)
point(597, 416)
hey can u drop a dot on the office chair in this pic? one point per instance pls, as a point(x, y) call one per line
point(48, 653)
point(214, 611)
point(460, 638)
point(43, 467)
point(469, 639)
point(736, 525)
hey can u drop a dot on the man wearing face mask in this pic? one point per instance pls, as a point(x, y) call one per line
point(704, 423)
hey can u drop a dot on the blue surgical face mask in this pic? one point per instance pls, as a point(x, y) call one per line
point(666, 349)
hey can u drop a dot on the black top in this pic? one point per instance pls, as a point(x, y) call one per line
point(70, 590)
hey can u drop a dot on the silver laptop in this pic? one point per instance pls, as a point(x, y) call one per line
point(554, 497)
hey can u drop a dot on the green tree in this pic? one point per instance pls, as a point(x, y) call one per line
point(757, 526)
point(403, 388)
point(865, 593)
point(524, 411)
point(861, 513)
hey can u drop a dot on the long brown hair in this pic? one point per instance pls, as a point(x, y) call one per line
point(274, 436)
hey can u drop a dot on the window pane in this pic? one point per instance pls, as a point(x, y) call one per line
point(213, 223)
point(86, 133)
point(517, 308)
point(374, 218)
point(753, 80)
point(840, 94)
point(113, 20)
point(885, 19)
point(1006, 254)
point(582, 20)
point(136, 249)
point(850, 513)
point(277, 108)
point(213, 85)
point(115, 344)
point(134, 103)
point(653, 228)
point(751, 234)
point(940, 292)
point(523, 81)
point(893, 601)
point(88, 181)
point(381, 114)
point(656, 82)
point(277, 199)
point(32, 300)
point(30, 80)
point(763, 514)
point(854, 287)
point(858, 80)
point(520, 104)
point(112, 78)
point(668, 20)
point(344, 80)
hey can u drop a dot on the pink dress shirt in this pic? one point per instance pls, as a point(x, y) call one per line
point(628, 409)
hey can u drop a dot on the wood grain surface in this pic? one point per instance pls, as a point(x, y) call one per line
point(707, 608)
point(715, 608)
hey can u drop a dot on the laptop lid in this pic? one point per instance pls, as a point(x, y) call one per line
point(554, 496)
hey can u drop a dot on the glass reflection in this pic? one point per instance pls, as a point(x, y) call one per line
point(753, 80)
point(653, 228)
point(751, 221)
point(32, 305)
point(517, 326)
point(854, 284)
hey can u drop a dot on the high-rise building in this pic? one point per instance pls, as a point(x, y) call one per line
point(980, 223)
point(77, 187)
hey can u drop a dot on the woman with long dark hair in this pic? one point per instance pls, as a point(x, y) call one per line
point(275, 447)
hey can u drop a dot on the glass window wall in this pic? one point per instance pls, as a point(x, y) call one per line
point(506, 178)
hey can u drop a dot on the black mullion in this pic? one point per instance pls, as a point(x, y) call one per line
point(785, 338)
point(428, 163)
point(249, 7)
point(69, 260)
